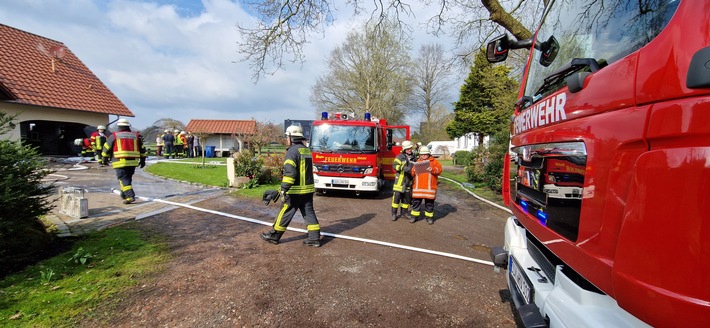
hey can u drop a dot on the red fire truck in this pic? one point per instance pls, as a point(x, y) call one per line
point(620, 90)
point(352, 154)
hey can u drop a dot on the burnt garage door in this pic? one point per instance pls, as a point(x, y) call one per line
point(52, 137)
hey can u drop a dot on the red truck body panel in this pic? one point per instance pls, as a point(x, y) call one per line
point(644, 229)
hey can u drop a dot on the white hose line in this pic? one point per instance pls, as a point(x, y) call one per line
point(479, 197)
point(364, 240)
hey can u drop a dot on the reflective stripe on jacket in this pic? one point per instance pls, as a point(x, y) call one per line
point(298, 170)
point(126, 147)
point(400, 164)
point(425, 184)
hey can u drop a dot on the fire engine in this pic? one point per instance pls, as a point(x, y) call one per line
point(354, 154)
point(616, 95)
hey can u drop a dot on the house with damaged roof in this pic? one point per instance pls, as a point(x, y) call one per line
point(56, 97)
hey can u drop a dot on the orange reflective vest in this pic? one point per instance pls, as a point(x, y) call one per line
point(425, 183)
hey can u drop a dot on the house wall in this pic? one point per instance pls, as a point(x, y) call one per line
point(37, 113)
point(224, 144)
point(469, 142)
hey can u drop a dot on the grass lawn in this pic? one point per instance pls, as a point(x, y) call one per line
point(63, 290)
point(211, 175)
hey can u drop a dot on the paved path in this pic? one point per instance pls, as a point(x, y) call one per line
point(105, 207)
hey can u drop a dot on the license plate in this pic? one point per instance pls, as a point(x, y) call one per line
point(340, 181)
point(520, 280)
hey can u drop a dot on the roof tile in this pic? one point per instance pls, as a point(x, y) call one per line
point(222, 126)
point(26, 72)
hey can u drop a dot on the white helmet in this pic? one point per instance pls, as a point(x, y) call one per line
point(182, 133)
point(424, 150)
point(78, 142)
point(167, 131)
point(123, 122)
point(176, 131)
point(100, 127)
point(406, 144)
point(294, 131)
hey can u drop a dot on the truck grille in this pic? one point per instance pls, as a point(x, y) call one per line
point(535, 248)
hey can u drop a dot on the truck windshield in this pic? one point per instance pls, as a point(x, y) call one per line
point(605, 31)
point(343, 138)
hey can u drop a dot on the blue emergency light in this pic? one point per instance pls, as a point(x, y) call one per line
point(367, 116)
point(324, 115)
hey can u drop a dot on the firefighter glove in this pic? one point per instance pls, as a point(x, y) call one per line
point(270, 195)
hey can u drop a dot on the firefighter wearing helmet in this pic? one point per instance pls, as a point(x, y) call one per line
point(297, 188)
point(402, 188)
point(179, 144)
point(126, 148)
point(86, 149)
point(98, 138)
point(426, 173)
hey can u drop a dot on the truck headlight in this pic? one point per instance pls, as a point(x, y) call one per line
point(368, 170)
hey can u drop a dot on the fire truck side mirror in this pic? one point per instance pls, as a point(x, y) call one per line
point(497, 49)
point(389, 139)
point(549, 49)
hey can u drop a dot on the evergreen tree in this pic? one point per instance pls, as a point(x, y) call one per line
point(486, 100)
point(23, 199)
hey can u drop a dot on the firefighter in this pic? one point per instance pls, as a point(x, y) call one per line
point(403, 180)
point(169, 140)
point(86, 149)
point(98, 138)
point(426, 173)
point(179, 144)
point(183, 139)
point(126, 148)
point(297, 190)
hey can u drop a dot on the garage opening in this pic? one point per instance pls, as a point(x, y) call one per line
point(52, 137)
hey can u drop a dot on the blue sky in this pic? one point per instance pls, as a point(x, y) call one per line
point(178, 59)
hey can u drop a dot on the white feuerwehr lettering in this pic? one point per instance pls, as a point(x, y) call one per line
point(545, 112)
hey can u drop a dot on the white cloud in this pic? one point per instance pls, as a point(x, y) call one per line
point(179, 60)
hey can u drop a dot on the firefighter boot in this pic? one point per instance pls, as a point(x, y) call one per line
point(430, 220)
point(412, 218)
point(313, 238)
point(394, 214)
point(271, 236)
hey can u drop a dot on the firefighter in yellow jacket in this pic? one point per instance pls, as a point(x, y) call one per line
point(426, 173)
point(401, 190)
point(297, 188)
point(126, 148)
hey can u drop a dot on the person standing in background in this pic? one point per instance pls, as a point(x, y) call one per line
point(159, 143)
point(198, 146)
point(169, 141)
point(98, 138)
point(190, 145)
point(179, 144)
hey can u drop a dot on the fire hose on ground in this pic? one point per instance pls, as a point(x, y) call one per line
point(327, 234)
